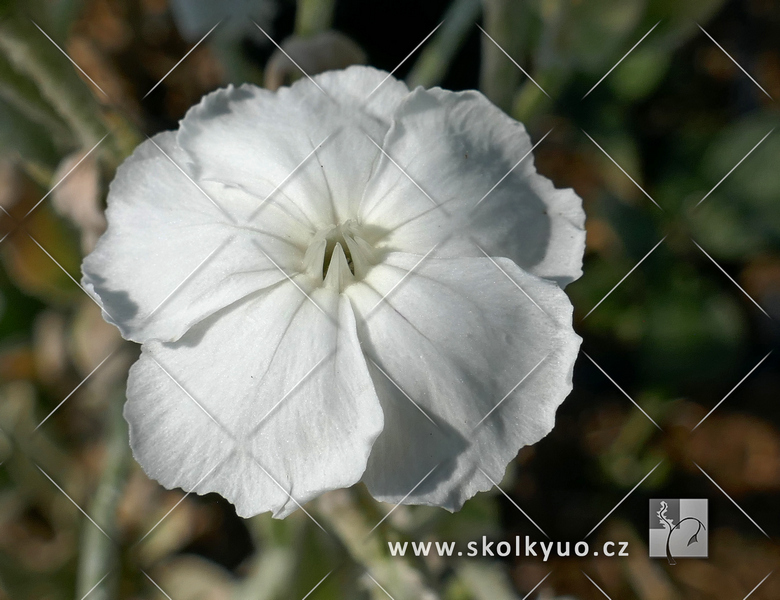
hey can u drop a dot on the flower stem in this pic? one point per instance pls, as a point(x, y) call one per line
point(270, 570)
point(432, 66)
point(30, 53)
point(22, 93)
point(367, 547)
point(313, 16)
point(99, 557)
point(499, 77)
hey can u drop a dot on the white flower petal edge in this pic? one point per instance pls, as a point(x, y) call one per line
point(463, 152)
point(491, 366)
point(145, 271)
point(268, 403)
point(253, 138)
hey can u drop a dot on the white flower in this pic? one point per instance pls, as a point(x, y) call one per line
point(333, 285)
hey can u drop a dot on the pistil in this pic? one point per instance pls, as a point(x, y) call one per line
point(338, 255)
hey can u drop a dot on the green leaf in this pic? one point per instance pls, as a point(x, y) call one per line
point(19, 135)
point(641, 72)
point(30, 53)
point(21, 92)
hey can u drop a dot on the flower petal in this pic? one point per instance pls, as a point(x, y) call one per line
point(285, 142)
point(172, 255)
point(268, 398)
point(463, 152)
point(469, 367)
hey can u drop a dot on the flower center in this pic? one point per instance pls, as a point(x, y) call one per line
point(333, 239)
point(338, 255)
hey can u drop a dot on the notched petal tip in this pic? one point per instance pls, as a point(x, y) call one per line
point(220, 102)
point(563, 259)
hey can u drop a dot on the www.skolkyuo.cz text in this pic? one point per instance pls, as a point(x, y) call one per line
point(521, 547)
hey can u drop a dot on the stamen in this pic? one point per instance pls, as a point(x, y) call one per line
point(342, 247)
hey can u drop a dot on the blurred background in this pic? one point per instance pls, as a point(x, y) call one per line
point(658, 113)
